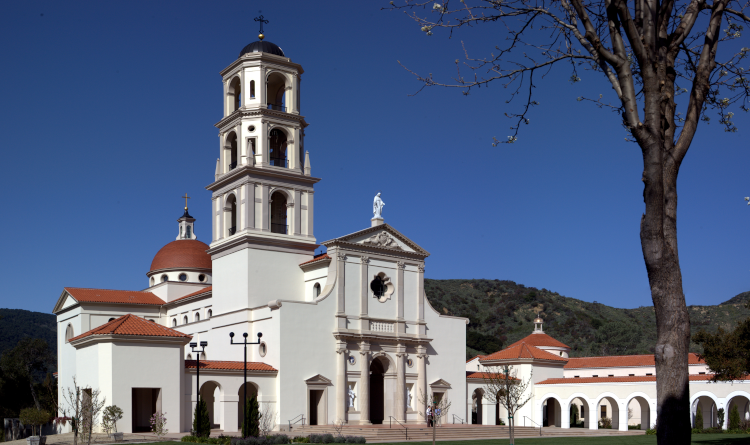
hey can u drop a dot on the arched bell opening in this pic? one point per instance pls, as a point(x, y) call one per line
point(234, 99)
point(477, 411)
point(278, 148)
point(276, 87)
point(278, 213)
point(639, 412)
point(232, 153)
point(230, 215)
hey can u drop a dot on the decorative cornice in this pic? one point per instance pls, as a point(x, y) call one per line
point(234, 119)
point(244, 174)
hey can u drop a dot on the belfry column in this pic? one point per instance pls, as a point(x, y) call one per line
point(364, 383)
point(341, 387)
point(400, 383)
point(422, 382)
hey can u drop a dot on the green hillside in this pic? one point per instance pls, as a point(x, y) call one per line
point(501, 312)
point(16, 324)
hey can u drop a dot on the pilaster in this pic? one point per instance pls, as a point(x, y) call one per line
point(341, 388)
point(364, 293)
point(401, 383)
point(401, 326)
point(422, 394)
point(364, 383)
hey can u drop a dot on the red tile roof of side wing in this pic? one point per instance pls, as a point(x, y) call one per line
point(540, 340)
point(132, 325)
point(202, 291)
point(621, 361)
point(628, 379)
point(522, 350)
point(483, 375)
point(322, 256)
point(234, 366)
point(476, 356)
point(113, 296)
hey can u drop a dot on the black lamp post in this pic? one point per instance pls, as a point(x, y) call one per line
point(244, 343)
point(198, 353)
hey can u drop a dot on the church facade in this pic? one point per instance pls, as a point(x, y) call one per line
point(347, 335)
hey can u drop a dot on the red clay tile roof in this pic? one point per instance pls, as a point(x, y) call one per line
point(540, 340)
point(321, 256)
point(113, 296)
point(202, 291)
point(480, 357)
point(184, 253)
point(235, 366)
point(618, 361)
point(132, 325)
point(637, 378)
point(481, 375)
point(522, 350)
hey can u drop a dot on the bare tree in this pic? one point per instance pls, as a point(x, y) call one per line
point(502, 386)
point(438, 405)
point(84, 405)
point(267, 422)
point(651, 52)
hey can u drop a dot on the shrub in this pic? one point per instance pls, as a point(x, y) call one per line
point(251, 428)
point(651, 432)
point(734, 418)
point(159, 424)
point(301, 439)
point(699, 418)
point(339, 439)
point(35, 418)
point(634, 427)
point(110, 416)
point(605, 423)
point(720, 415)
point(201, 422)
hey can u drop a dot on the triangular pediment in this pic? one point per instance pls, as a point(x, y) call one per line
point(440, 384)
point(65, 301)
point(381, 237)
point(318, 380)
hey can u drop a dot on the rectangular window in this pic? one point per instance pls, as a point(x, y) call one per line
point(576, 376)
point(649, 373)
point(604, 411)
point(631, 375)
point(595, 375)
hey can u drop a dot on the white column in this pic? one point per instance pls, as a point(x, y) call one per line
point(400, 298)
point(297, 213)
point(564, 415)
point(623, 417)
point(364, 383)
point(593, 416)
point(229, 412)
point(340, 288)
point(265, 208)
point(422, 393)
point(401, 383)
point(341, 356)
point(364, 293)
point(420, 300)
point(488, 412)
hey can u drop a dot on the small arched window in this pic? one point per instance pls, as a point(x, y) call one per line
point(209, 314)
point(185, 320)
point(197, 316)
point(174, 322)
point(278, 213)
point(278, 147)
point(316, 290)
point(68, 333)
point(252, 89)
point(153, 281)
point(111, 319)
point(164, 278)
point(190, 356)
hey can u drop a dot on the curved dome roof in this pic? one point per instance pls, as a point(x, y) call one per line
point(261, 46)
point(184, 253)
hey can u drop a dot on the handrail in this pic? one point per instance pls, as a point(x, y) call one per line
point(540, 427)
point(454, 419)
point(390, 425)
point(300, 418)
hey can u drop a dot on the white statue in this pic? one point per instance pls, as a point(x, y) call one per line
point(377, 207)
point(351, 398)
point(408, 398)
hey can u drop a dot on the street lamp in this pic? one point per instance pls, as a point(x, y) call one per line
point(193, 345)
point(244, 343)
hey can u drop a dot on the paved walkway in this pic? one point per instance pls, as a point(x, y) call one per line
point(67, 439)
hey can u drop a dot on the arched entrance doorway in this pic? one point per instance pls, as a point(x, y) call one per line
point(707, 407)
point(476, 407)
point(378, 368)
point(742, 404)
point(210, 392)
point(252, 390)
point(639, 412)
point(608, 413)
point(551, 413)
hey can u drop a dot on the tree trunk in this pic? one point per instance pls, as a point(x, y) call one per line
point(659, 243)
point(33, 393)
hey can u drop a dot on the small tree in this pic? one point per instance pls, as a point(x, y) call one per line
point(112, 414)
point(159, 424)
point(438, 406)
point(720, 415)
point(84, 408)
point(574, 414)
point(504, 388)
point(699, 418)
point(252, 414)
point(267, 419)
point(201, 421)
point(734, 418)
point(36, 418)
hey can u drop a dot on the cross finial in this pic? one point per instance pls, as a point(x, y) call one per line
point(262, 20)
point(186, 198)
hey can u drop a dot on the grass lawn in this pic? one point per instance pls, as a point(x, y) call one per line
point(707, 439)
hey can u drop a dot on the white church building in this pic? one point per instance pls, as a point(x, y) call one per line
point(346, 335)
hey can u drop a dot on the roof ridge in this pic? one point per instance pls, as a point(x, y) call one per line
point(114, 290)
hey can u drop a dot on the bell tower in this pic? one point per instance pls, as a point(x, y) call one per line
point(262, 194)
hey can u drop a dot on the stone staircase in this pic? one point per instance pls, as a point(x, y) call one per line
point(420, 433)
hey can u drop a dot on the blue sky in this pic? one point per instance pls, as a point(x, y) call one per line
point(107, 113)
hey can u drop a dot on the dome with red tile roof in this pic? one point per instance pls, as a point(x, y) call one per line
point(182, 254)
